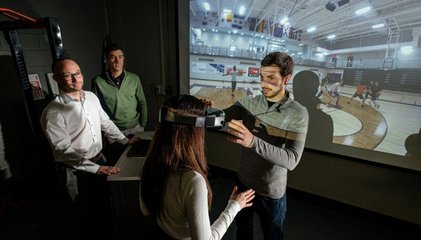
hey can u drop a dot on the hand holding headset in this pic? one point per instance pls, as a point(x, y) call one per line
point(214, 118)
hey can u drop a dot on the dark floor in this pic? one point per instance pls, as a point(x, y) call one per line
point(31, 211)
point(313, 218)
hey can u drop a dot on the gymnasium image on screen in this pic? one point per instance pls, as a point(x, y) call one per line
point(385, 128)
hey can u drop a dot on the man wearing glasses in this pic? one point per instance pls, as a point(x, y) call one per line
point(73, 122)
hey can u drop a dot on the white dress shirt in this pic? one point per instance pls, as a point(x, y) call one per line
point(73, 128)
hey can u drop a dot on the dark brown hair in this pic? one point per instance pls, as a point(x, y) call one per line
point(175, 148)
point(280, 59)
point(112, 47)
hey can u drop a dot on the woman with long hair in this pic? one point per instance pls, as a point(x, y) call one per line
point(174, 185)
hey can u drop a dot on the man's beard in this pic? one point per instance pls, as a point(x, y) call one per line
point(271, 93)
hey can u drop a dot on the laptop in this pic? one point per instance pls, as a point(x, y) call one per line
point(139, 148)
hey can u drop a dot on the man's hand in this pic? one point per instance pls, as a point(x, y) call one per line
point(107, 170)
point(133, 140)
point(242, 135)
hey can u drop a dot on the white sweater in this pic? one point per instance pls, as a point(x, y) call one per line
point(185, 214)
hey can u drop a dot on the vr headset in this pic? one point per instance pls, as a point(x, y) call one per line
point(214, 118)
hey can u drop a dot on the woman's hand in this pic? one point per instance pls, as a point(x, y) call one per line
point(208, 102)
point(243, 198)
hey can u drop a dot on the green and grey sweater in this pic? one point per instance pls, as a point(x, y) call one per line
point(126, 106)
point(278, 143)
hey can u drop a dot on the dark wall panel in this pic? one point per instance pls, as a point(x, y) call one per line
point(147, 30)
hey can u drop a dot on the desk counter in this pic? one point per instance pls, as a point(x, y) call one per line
point(127, 216)
point(130, 166)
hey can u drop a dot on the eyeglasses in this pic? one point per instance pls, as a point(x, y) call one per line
point(70, 76)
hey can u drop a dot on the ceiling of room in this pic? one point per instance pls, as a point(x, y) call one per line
point(341, 20)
